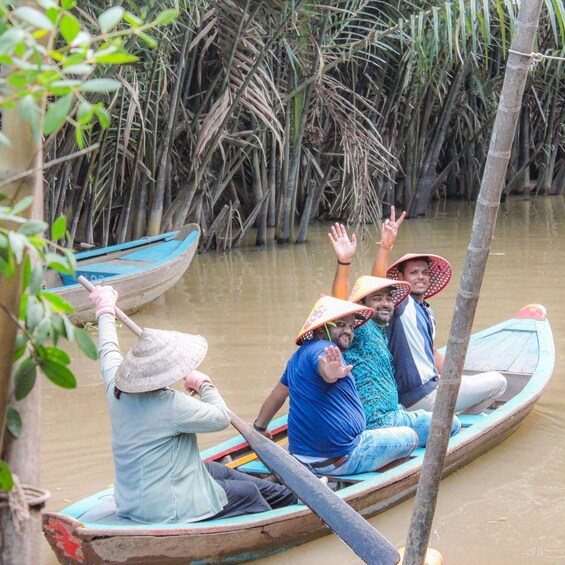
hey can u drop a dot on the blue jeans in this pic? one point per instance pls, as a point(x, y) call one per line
point(419, 421)
point(376, 448)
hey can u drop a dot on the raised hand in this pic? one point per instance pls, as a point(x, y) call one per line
point(194, 381)
point(331, 367)
point(343, 246)
point(389, 229)
point(104, 298)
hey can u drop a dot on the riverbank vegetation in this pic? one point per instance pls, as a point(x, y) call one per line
point(270, 114)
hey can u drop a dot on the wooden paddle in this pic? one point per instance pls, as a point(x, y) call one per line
point(371, 546)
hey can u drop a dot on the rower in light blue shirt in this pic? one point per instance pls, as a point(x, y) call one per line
point(160, 476)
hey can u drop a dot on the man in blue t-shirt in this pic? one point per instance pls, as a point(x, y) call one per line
point(326, 420)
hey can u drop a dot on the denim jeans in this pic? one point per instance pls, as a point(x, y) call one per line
point(376, 448)
point(419, 421)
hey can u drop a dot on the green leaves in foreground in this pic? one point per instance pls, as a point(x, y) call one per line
point(6, 480)
point(63, 73)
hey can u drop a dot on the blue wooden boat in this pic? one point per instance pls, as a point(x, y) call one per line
point(90, 532)
point(140, 270)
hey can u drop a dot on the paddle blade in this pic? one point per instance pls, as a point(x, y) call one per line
point(371, 546)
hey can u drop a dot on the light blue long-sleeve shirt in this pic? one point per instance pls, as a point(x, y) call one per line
point(159, 474)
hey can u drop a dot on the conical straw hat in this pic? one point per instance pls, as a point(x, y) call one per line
point(158, 359)
point(440, 271)
point(366, 285)
point(327, 309)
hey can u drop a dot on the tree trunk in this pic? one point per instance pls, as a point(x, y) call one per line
point(473, 270)
point(19, 545)
point(524, 181)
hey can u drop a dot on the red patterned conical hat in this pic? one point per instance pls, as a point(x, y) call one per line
point(327, 309)
point(440, 271)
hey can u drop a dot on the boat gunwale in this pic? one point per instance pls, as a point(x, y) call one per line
point(496, 426)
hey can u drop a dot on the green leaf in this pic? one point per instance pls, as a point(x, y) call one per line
point(109, 19)
point(166, 17)
point(29, 111)
point(69, 27)
point(58, 327)
point(68, 4)
point(57, 114)
point(20, 347)
point(103, 116)
point(42, 331)
point(80, 137)
point(132, 19)
point(115, 58)
point(46, 4)
point(13, 421)
point(57, 303)
point(57, 373)
point(33, 17)
point(86, 344)
point(18, 244)
point(36, 279)
point(83, 39)
point(10, 38)
point(6, 479)
point(59, 228)
point(100, 85)
point(25, 378)
point(152, 42)
point(26, 272)
point(80, 69)
point(22, 204)
point(57, 355)
point(59, 263)
point(32, 227)
point(33, 313)
point(69, 328)
point(85, 112)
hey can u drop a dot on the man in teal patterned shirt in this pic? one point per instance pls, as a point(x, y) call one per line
point(372, 362)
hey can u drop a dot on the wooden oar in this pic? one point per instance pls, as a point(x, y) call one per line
point(371, 546)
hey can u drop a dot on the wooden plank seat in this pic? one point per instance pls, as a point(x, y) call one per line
point(257, 468)
point(470, 419)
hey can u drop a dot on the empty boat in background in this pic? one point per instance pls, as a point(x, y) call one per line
point(140, 270)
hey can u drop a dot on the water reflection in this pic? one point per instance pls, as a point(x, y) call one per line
point(504, 508)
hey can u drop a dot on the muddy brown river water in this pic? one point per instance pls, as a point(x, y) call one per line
point(505, 508)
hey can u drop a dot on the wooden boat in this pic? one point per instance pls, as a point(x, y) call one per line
point(140, 270)
point(89, 531)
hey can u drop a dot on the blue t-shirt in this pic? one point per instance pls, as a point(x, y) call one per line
point(373, 373)
point(324, 419)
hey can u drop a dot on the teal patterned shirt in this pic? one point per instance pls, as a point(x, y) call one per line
point(373, 374)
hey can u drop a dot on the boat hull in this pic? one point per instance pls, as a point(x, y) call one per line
point(242, 539)
point(138, 287)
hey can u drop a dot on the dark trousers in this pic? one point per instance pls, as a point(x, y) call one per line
point(247, 494)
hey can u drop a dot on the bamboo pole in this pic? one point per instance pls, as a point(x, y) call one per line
point(473, 270)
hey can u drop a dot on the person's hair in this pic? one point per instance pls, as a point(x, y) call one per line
point(402, 266)
point(117, 392)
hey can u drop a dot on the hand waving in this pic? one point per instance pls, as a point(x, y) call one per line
point(331, 367)
point(344, 247)
point(389, 229)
